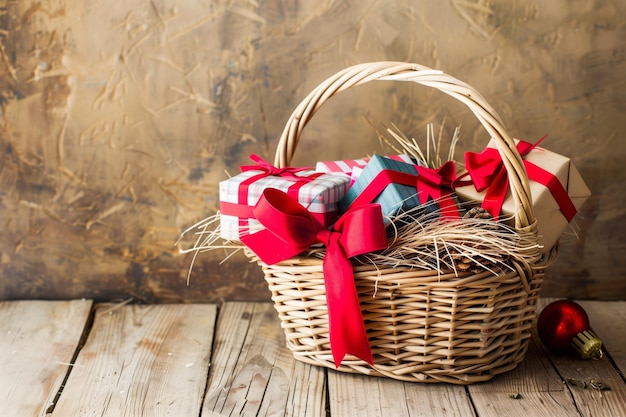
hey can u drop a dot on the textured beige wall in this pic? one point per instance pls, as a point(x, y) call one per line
point(120, 117)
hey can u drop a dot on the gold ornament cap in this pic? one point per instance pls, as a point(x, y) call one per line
point(588, 345)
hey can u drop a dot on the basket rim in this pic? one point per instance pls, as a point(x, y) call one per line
point(402, 71)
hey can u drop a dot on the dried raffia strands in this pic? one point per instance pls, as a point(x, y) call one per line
point(400, 143)
point(207, 238)
point(423, 242)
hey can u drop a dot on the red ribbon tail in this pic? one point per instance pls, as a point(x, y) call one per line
point(496, 194)
point(448, 208)
point(436, 184)
point(291, 229)
point(346, 326)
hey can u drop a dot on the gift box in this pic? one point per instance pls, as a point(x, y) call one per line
point(317, 192)
point(347, 166)
point(556, 187)
point(385, 181)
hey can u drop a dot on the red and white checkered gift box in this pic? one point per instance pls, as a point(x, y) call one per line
point(317, 192)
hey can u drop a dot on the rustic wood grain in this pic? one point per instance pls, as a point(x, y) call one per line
point(154, 360)
point(118, 120)
point(142, 360)
point(536, 383)
point(359, 395)
point(37, 344)
point(252, 371)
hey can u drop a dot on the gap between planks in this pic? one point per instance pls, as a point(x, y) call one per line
point(38, 344)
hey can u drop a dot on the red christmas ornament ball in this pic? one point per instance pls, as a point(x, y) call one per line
point(564, 325)
point(559, 322)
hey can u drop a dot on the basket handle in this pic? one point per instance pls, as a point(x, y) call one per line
point(401, 71)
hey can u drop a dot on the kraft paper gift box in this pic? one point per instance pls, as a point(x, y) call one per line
point(394, 198)
point(319, 194)
point(551, 221)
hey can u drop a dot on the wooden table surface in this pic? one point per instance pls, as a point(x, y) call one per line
point(78, 358)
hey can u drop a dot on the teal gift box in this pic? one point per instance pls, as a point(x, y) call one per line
point(387, 182)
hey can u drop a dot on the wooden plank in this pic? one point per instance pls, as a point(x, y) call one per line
point(142, 360)
point(366, 396)
point(253, 373)
point(534, 388)
point(592, 402)
point(39, 339)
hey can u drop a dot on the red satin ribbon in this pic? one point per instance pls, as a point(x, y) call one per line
point(378, 184)
point(266, 170)
point(270, 170)
point(435, 183)
point(489, 173)
point(291, 229)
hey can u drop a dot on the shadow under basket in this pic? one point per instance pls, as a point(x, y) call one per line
point(422, 325)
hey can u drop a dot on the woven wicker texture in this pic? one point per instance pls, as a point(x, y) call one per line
point(423, 326)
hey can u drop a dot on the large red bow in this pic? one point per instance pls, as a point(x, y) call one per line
point(488, 172)
point(291, 229)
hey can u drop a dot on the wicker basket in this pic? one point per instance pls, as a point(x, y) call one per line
point(422, 326)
